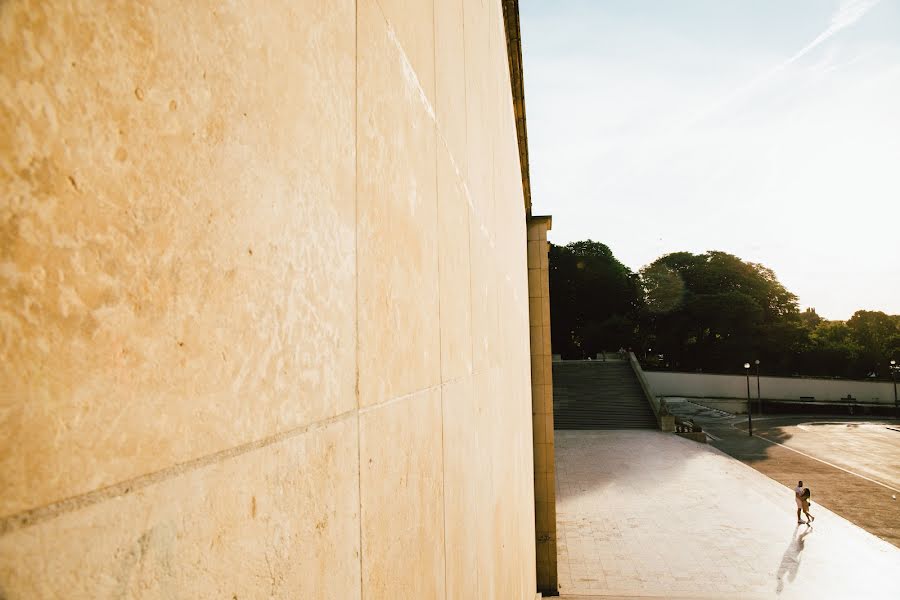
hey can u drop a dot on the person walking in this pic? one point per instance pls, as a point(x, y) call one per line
point(804, 498)
point(798, 491)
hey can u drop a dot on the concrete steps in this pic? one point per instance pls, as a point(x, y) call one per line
point(599, 395)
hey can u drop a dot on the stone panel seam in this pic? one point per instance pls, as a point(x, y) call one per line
point(365, 409)
point(401, 398)
point(34, 516)
point(474, 371)
point(356, 281)
point(437, 191)
point(413, 80)
point(471, 212)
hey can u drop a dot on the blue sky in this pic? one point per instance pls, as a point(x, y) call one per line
point(768, 129)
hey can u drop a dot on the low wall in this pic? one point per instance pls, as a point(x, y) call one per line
point(705, 385)
point(735, 406)
point(665, 422)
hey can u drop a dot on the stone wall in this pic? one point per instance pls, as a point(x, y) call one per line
point(706, 385)
point(263, 302)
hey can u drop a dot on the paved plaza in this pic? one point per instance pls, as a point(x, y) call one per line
point(648, 514)
point(852, 465)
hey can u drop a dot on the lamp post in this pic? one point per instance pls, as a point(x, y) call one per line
point(894, 368)
point(758, 395)
point(749, 412)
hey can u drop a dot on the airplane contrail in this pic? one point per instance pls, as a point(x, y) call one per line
point(848, 13)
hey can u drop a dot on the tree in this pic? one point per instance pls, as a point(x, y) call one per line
point(715, 311)
point(810, 319)
point(663, 288)
point(831, 351)
point(593, 300)
point(710, 311)
point(875, 333)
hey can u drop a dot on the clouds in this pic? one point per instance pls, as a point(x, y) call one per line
point(744, 139)
point(848, 12)
point(845, 15)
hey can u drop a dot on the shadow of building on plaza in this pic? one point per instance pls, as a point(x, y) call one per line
point(750, 448)
point(595, 460)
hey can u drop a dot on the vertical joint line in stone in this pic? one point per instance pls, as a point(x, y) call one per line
point(437, 225)
point(362, 588)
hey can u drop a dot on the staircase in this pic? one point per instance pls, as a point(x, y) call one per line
point(599, 395)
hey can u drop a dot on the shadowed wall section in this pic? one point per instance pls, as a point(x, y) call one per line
point(263, 302)
point(542, 403)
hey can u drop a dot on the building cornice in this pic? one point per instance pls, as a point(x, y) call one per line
point(514, 53)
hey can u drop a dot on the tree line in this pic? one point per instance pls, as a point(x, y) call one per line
point(706, 312)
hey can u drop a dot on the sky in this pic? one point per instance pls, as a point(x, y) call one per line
point(769, 129)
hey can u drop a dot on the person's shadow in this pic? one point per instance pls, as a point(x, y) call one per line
point(790, 561)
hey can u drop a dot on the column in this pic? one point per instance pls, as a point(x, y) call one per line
point(542, 404)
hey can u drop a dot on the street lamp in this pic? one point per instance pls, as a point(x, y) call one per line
point(894, 368)
point(749, 413)
point(758, 396)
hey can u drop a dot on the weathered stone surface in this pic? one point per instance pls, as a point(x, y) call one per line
point(280, 521)
point(461, 455)
point(450, 79)
point(502, 543)
point(240, 247)
point(411, 23)
point(479, 126)
point(402, 498)
point(455, 272)
point(399, 346)
point(178, 234)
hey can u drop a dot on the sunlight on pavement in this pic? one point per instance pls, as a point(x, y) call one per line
point(648, 513)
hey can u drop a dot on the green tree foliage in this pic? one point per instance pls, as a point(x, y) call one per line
point(710, 312)
point(810, 319)
point(723, 311)
point(830, 351)
point(877, 335)
point(860, 347)
point(594, 300)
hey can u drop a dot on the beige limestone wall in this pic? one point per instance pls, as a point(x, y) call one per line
point(263, 302)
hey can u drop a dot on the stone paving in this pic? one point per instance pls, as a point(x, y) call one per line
point(852, 465)
point(648, 514)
